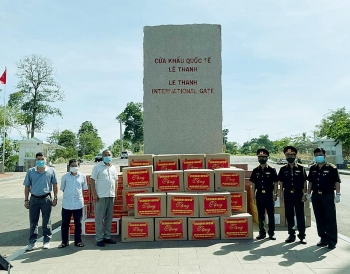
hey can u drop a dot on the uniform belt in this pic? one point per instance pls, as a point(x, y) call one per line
point(324, 191)
point(43, 196)
point(264, 191)
point(293, 191)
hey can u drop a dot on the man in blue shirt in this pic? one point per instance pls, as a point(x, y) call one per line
point(39, 182)
point(72, 184)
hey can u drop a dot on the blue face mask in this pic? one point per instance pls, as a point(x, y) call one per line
point(107, 159)
point(319, 159)
point(40, 163)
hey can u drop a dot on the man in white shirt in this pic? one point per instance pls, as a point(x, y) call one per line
point(103, 179)
point(73, 183)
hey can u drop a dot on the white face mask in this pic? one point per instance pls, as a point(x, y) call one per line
point(74, 169)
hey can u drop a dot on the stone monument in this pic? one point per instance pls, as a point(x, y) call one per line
point(182, 95)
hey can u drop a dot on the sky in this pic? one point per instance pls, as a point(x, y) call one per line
point(285, 64)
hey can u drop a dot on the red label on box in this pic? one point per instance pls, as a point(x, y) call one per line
point(182, 206)
point(203, 229)
point(129, 198)
point(86, 196)
point(236, 201)
point(215, 205)
point(90, 228)
point(149, 206)
point(229, 179)
point(166, 165)
point(138, 230)
point(193, 164)
point(168, 182)
point(236, 228)
point(171, 229)
point(198, 181)
point(120, 214)
point(218, 163)
point(118, 207)
point(119, 199)
point(135, 163)
point(138, 178)
point(114, 227)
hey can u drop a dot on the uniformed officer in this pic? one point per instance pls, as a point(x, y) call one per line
point(292, 178)
point(264, 183)
point(323, 180)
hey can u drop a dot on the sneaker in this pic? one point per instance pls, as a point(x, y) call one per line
point(46, 245)
point(109, 241)
point(30, 246)
point(100, 244)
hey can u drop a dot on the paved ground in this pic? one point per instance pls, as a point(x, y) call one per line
point(187, 257)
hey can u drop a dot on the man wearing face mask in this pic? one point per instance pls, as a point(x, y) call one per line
point(323, 180)
point(292, 178)
point(72, 184)
point(39, 182)
point(264, 186)
point(103, 179)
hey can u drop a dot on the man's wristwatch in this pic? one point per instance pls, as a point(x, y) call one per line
point(55, 198)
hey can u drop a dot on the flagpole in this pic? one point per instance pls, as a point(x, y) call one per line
point(4, 133)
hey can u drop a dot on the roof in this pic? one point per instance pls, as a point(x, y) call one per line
point(47, 144)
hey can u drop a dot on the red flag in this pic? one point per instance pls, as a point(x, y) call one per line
point(3, 78)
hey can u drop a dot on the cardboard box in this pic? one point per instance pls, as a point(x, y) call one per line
point(238, 226)
point(192, 161)
point(138, 177)
point(307, 211)
point(199, 180)
point(229, 179)
point(89, 227)
point(115, 226)
point(238, 202)
point(168, 181)
point(248, 173)
point(220, 160)
point(182, 205)
point(170, 229)
point(72, 228)
point(86, 196)
point(279, 202)
point(137, 230)
point(203, 228)
point(307, 204)
point(214, 204)
point(280, 217)
point(140, 160)
point(128, 196)
point(242, 166)
point(121, 214)
point(255, 216)
point(166, 162)
point(307, 222)
point(150, 205)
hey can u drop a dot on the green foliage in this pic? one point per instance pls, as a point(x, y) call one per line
point(224, 136)
point(232, 148)
point(37, 90)
point(132, 118)
point(336, 125)
point(115, 147)
point(11, 157)
point(88, 139)
point(250, 147)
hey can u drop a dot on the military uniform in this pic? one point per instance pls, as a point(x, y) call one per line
point(293, 179)
point(323, 184)
point(264, 179)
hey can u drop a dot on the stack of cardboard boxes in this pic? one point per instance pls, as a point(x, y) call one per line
point(184, 197)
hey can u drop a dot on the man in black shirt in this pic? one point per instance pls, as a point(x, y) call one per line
point(264, 184)
point(323, 180)
point(292, 178)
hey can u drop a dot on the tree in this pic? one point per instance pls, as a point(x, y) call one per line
point(232, 148)
point(37, 89)
point(89, 141)
point(132, 118)
point(11, 156)
point(250, 147)
point(68, 139)
point(336, 125)
point(115, 147)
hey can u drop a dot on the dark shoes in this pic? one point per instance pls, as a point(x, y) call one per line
point(261, 236)
point(62, 245)
point(290, 239)
point(100, 244)
point(303, 241)
point(272, 237)
point(322, 243)
point(330, 246)
point(109, 241)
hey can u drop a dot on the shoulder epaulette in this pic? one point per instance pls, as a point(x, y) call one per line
point(332, 165)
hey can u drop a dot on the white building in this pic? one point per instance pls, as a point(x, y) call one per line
point(334, 149)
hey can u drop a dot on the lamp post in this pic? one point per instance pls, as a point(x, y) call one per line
point(278, 135)
point(249, 130)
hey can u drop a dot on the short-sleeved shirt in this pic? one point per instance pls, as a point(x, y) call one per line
point(324, 178)
point(105, 178)
point(292, 178)
point(40, 183)
point(264, 178)
point(72, 187)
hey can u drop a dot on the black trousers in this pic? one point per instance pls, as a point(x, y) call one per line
point(264, 201)
point(293, 203)
point(66, 215)
point(325, 215)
